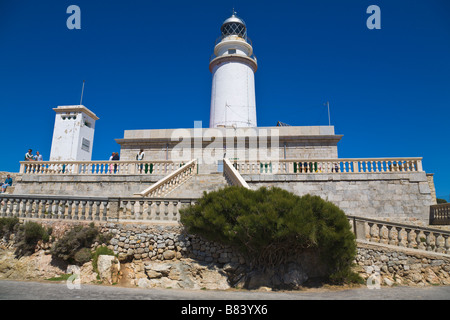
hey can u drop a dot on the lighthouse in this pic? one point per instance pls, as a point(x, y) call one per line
point(233, 66)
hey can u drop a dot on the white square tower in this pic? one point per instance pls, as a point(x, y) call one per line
point(73, 135)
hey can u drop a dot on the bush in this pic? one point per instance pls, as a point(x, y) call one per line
point(28, 235)
point(7, 225)
point(270, 226)
point(74, 246)
point(82, 256)
point(441, 201)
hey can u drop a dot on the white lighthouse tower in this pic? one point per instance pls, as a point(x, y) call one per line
point(233, 68)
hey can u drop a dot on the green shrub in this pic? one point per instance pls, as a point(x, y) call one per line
point(72, 246)
point(441, 201)
point(82, 256)
point(270, 226)
point(7, 225)
point(28, 235)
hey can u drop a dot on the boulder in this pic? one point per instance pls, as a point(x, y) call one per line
point(108, 268)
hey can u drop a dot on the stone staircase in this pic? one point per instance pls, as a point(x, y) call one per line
point(194, 187)
point(9, 190)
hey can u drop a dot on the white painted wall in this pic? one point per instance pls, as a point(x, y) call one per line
point(233, 99)
point(72, 125)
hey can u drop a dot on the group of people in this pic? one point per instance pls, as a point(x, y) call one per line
point(30, 157)
point(115, 156)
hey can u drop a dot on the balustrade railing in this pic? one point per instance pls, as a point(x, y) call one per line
point(92, 209)
point(232, 175)
point(401, 235)
point(119, 167)
point(316, 166)
point(440, 214)
point(171, 181)
point(152, 209)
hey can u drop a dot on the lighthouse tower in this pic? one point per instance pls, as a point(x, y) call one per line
point(233, 68)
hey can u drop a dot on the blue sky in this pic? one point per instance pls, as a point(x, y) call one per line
point(146, 67)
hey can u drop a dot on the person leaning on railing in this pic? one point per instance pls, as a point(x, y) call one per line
point(29, 155)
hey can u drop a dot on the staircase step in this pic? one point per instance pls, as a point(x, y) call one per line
point(194, 187)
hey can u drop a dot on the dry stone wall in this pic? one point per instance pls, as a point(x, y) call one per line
point(389, 266)
point(164, 256)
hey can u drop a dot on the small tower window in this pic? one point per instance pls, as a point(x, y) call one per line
point(231, 51)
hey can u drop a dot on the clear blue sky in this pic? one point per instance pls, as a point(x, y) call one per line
point(146, 66)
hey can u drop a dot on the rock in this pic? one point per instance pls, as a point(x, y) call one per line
point(144, 283)
point(431, 277)
point(122, 256)
point(169, 255)
point(388, 282)
point(108, 268)
point(162, 268)
point(153, 274)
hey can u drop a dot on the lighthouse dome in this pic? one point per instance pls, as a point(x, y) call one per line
point(234, 26)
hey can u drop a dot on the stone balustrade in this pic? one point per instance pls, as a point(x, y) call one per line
point(92, 208)
point(171, 181)
point(98, 167)
point(440, 214)
point(232, 175)
point(401, 235)
point(152, 209)
point(315, 166)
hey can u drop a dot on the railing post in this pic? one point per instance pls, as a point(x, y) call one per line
point(360, 229)
point(113, 211)
point(419, 165)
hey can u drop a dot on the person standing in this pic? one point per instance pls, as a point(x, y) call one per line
point(115, 158)
point(38, 156)
point(110, 159)
point(140, 156)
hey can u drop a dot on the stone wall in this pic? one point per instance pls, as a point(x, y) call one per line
point(164, 256)
point(84, 185)
point(397, 197)
point(389, 265)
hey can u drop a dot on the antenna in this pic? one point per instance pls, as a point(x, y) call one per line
point(328, 105)
point(82, 91)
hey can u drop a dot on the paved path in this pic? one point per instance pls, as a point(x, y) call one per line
point(22, 290)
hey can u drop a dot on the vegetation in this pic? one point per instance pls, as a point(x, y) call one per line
point(62, 277)
point(270, 226)
point(28, 235)
point(441, 201)
point(8, 225)
point(75, 246)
